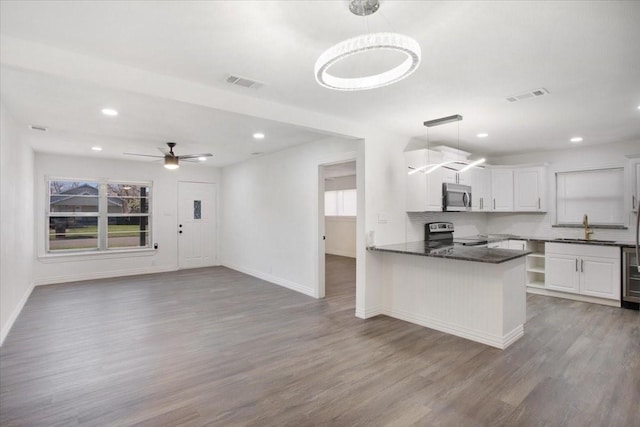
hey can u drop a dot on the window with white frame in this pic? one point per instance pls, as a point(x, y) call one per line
point(340, 203)
point(599, 193)
point(97, 215)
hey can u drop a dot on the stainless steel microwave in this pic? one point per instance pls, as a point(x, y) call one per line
point(456, 197)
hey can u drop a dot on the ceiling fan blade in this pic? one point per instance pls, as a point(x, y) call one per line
point(194, 156)
point(164, 151)
point(144, 155)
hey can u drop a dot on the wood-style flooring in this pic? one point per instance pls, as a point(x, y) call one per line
point(217, 347)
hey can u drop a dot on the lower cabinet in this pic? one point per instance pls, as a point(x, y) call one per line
point(583, 269)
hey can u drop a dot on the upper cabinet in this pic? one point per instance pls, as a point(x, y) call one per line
point(502, 190)
point(497, 189)
point(480, 181)
point(634, 167)
point(424, 192)
point(529, 189)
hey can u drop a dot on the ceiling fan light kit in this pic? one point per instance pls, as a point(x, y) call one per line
point(171, 161)
point(364, 43)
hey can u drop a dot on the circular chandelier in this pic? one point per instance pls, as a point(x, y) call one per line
point(366, 43)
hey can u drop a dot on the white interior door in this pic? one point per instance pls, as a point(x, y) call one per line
point(196, 225)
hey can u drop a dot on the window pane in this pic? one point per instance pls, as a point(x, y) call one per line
point(330, 203)
point(128, 205)
point(73, 233)
point(349, 202)
point(128, 198)
point(123, 232)
point(73, 196)
point(597, 193)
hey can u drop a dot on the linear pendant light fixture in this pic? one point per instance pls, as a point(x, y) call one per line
point(458, 166)
point(367, 43)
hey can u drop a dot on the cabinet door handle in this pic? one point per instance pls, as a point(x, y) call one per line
point(581, 266)
point(481, 203)
point(494, 204)
point(576, 264)
point(538, 202)
point(633, 202)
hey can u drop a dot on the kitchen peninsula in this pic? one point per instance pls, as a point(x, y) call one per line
point(474, 293)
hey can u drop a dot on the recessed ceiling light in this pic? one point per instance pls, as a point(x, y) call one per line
point(482, 135)
point(638, 107)
point(109, 112)
point(576, 139)
point(202, 159)
point(258, 135)
point(96, 148)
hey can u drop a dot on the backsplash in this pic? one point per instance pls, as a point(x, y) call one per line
point(540, 225)
point(520, 224)
point(465, 223)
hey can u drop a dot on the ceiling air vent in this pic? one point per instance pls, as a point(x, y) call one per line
point(531, 94)
point(244, 82)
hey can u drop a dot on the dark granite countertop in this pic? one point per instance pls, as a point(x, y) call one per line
point(499, 237)
point(462, 253)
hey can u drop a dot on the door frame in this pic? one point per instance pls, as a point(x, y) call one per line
point(320, 225)
point(216, 220)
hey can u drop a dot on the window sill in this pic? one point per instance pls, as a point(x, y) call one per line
point(606, 227)
point(95, 255)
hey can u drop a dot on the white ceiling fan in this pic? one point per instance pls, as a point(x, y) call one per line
point(171, 161)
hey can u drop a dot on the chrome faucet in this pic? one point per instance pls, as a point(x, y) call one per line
point(585, 224)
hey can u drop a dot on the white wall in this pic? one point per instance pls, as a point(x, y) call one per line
point(269, 214)
point(164, 216)
point(16, 219)
point(575, 158)
point(340, 232)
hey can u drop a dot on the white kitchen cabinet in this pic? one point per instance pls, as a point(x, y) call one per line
point(517, 244)
point(502, 190)
point(416, 196)
point(480, 181)
point(529, 186)
point(634, 166)
point(424, 192)
point(583, 269)
point(562, 273)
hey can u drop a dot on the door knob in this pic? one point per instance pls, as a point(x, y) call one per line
point(180, 231)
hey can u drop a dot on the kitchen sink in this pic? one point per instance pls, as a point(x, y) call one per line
point(566, 239)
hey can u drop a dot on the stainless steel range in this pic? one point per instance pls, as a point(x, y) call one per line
point(438, 234)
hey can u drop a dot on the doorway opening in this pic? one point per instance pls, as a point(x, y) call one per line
point(339, 218)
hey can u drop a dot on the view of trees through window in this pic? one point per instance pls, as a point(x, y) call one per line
point(89, 215)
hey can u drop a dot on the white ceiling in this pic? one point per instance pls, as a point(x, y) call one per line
point(71, 112)
point(475, 54)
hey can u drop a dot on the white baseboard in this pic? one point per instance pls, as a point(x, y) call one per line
point(14, 315)
point(368, 313)
point(575, 297)
point(273, 279)
point(103, 275)
point(500, 342)
point(341, 253)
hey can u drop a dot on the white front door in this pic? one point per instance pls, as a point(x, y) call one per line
point(196, 225)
